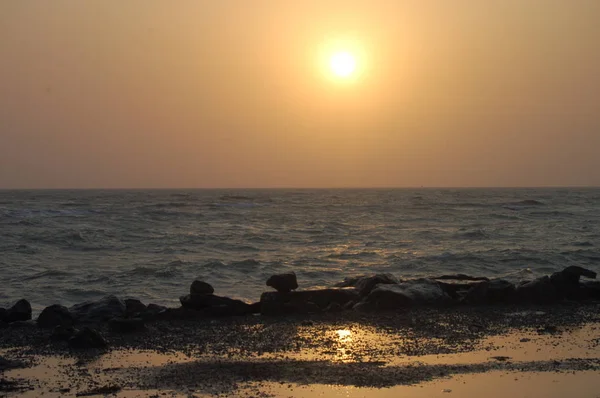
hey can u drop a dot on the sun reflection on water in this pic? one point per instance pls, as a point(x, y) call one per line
point(344, 335)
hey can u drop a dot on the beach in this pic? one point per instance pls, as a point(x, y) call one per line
point(525, 351)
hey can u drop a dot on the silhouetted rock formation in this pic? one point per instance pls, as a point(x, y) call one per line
point(20, 311)
point(283, 283)
point(97, 311)
point(55, 315)
point(201, 288)
point(134, 307)
point(405, 294)
point(306, 301)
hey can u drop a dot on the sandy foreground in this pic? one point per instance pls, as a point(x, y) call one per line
point(500, 352)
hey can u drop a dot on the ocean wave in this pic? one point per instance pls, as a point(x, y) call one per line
point(85, 292)
point(243, 205)
point(48, 274)
point(551, 213)
point(163, 205)
point(235, 197)
point(354, 255)
point(114, 244)
point(166, 272)
point(527, 202)
point(585, 254)
point(583, 244)
point(25, 249)
point(247, 264)
point(477, 234)
point(47, 213)
point(236, 247)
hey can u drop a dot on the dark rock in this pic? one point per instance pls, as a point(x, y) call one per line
point(362, 307)
point(29, 324)
point(307, 307)
point(334, 307)
point(283, 283)
point(457, 290)
point(419, 292)
point(126, 325)
point(98, 311)
point(153, 311)
point(366, 284)
point(134, 306)
point(215, 305)
point(55, 315)
point(567, 283)
point(62, 333)
point(20, 311)
point(155, 308)
point(3, 314)
point(254, 308)
point(105, 390)
point(491, 292)
point(201, 288)
point(590, 290)
point(234, 308)
point(539, 291)
point(305, 301)
point(87, 338)
point(579, 272)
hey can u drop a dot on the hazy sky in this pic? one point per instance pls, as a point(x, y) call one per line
point(235, 93)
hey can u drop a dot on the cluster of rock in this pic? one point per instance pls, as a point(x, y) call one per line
point(385, 292)
point(363, 293)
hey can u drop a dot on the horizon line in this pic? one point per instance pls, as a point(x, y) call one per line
point(303, 188)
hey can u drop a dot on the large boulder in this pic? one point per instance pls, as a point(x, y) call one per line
point(494, 291)
point(20, 311)
point(366, 284)
point(590, 290)
point(567, 283)
point(201, 288)
point(55, 315)
point(305, 301)
point(215, 305)
point(87, 338)
point(419, 292)
point(134, 307)
point(539, 291)
point(457, 290)
point(62, 333)
point(283, 283)
point(99, 311)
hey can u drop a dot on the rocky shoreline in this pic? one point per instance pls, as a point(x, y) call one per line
point(373, 331)
point(382, 293)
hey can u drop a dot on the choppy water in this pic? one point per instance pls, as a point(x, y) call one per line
point(70, 246)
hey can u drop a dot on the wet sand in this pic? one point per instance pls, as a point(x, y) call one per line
point(518, 352)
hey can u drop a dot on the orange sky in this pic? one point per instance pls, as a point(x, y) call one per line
point(231, 93)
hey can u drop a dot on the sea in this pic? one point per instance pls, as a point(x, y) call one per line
point(70, 246)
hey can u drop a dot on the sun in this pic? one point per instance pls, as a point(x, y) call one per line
point(342, 64)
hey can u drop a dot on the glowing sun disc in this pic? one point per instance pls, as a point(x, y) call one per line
point(342, 64)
